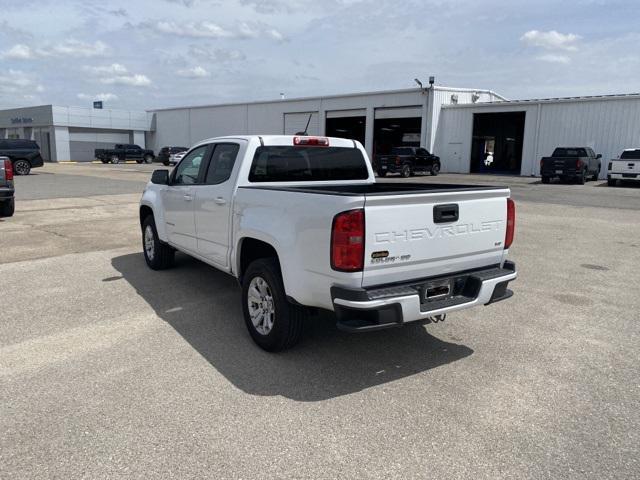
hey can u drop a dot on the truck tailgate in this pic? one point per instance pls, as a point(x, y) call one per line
point(421, 235)
point(629, 167)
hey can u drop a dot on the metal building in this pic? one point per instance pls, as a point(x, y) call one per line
point(73, 133)
point(512, 136)
point(377, 119)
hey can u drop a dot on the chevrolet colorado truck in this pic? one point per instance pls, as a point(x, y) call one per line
point(571, 163)
point(625, 168)
point(7, 190)
point(122, 152)
point(302, 224)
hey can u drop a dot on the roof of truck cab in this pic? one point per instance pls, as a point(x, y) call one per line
point(282, 139)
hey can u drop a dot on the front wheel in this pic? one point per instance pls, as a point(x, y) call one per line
point(596, 175)
point(273, 322)
point(139, 160)
point(115, 159)
point(435, 169)
point(21, 167)
point(104, 160)
point(406, 171)
point(148, 159)
point(8, 208)
point(157, 254)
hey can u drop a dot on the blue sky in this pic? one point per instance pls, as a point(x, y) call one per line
point(157, 53)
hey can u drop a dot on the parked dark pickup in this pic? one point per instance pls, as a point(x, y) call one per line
point(7, 200)
point(408, 161)
point(122, 152)
point(571, 163)
point(166, 154)
point(24, 154)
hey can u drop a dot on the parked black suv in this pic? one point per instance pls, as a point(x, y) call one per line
point(408, 161)
point(167, 152)
point(24, 154)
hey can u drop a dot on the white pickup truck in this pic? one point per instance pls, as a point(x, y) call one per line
point(625, 168)
point(303, 225)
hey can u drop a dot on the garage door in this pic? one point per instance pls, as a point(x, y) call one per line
point(296, 122)
point(82, 143)
point(400, 112)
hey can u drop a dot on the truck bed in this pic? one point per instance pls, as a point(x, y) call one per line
point(380, 189)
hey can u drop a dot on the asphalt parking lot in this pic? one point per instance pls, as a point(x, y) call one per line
point(108, 369)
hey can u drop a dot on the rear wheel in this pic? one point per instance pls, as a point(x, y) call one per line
point(21, 167)
point(582, 178)
point(104, 160)
point(435, 169)
point(139, 160)
point(596, 174)
point(7, 208)
point(115, 159)
point(405, 172)
point(382, 173)
point(157, 254)
point(273, 322)
point(166, 163)
point(612, 182)
point(545, 179)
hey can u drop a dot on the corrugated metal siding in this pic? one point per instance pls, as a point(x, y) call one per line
point(606, 125)
point(297, 122)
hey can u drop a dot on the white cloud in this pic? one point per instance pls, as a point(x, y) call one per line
point(551, 40)
point(105, 97)
point(208, 29)
point(18, 52)
point(18, 82)
point(117, 74)
point(554, 58)
point(207, 52)
point(195, 72)
point(68, 48)
point(113, 69)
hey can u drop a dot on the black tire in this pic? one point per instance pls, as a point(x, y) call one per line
point(162, 255)
point(166, 163)
point(435, 169)
point(115, 159)
point(596, 175)
point(288, 319)
point(8, 208)
point(148, 159)
point(21, 167)
point(582, 178)
point(612, 182)
point(405, 172)
point(382, 173)
point(139, 160)
point(105, 161)
point(545, 179)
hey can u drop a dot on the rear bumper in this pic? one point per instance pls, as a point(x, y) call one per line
point(565, 172)
point(37, 161)
point(392, 306)
point(624, 176)
point(6, 193)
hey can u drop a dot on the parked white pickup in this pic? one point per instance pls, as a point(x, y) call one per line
point(625, 168)
point(302, 224)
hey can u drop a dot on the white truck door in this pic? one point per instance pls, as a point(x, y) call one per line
point(178, 200)
point(213, 203)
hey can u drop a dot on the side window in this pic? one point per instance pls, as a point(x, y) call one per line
point(422, 151)
point(187, 171)
point(222, 161)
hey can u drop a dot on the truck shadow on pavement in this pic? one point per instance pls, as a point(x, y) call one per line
point(203, 306)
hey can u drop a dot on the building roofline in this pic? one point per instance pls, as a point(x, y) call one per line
point(324, 97)
point(536, 101)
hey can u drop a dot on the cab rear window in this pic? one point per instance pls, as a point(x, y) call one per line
point(630, 155)
point(307, 164)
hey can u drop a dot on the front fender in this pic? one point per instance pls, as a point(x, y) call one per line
point(151, 198)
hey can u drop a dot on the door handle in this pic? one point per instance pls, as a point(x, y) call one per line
point(220, 201)
point(187, 197)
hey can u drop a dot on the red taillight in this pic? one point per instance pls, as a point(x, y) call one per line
point(8, 169)
point(578, 164)
point(511, 223)
point(311, 141)
point(347, 241)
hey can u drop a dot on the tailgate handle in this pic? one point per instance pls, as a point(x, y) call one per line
point(445, 213)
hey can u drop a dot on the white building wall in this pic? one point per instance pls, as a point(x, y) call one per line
point(60, 145)
point(607, 124)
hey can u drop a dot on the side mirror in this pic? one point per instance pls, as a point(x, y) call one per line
point(599, 155)
point(160, 177)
